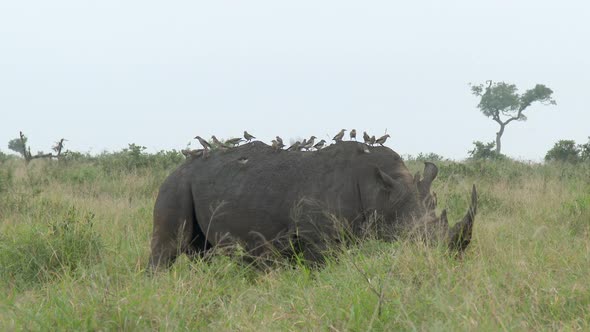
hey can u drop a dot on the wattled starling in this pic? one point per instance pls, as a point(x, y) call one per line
point(353, 134)
point(280, 141)
point(233, 141)
point(218, 143)
point(339, 136)
point(381, 140)
point(320, 145)
point(295, 146)
point(309, 143)
point(248, 137)
point(366, 137)
point(204, 143)
point(372, 140)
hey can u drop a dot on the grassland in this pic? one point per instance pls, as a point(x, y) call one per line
point(74, 240)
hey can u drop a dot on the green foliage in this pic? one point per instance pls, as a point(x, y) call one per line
point(38, 254)
point(19, 146)
point(585, 150)
point(569, 151)
point(501, 98)
point(422, 157)
point(135, 158)
point(498, 97)
point(484, 151)
point(564, 150)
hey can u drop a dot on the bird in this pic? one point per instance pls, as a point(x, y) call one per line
point(372, 140)
point(294, 147)
point(248, 137)
point(280, 144)
point(233, 141)
point(243, 160)
point(275, 145)
point(217, 142)
point(353, 134)
point(381, 140)
point(320, 145)
point(309, 143)
point(339, 136)
point(366, 137)
point(204, 143)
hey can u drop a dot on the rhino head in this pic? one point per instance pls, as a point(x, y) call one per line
point(418, 209)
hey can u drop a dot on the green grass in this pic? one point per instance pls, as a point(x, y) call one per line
point(74, 242)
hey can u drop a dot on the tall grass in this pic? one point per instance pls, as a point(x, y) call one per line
point(74, 242)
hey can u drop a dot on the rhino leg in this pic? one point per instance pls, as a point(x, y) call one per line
point(314, 231)
point(176, 230)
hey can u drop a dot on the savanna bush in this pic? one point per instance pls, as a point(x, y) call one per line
point(484, 151)
point(134, 158)
point(568, 151)
point(422, 157)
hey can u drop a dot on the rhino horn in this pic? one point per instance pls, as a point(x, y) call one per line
point(430, 173)
point(460, 234)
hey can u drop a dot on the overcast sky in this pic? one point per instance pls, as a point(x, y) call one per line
point(106, 73)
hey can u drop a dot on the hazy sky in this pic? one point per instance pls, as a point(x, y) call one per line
point(106, 73)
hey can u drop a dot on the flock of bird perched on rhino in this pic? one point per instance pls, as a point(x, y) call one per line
point(277, 144)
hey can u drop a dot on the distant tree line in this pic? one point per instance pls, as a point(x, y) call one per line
point(134, 157)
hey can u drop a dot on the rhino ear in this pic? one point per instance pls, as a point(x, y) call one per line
point(384, 178)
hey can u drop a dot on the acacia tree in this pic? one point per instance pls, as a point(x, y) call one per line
point(501, 102)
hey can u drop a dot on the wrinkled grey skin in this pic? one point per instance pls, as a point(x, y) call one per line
point(263, 198)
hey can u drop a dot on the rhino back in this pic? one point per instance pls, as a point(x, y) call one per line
point(254, 187)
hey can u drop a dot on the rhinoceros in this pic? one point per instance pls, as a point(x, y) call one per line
point(254, 194)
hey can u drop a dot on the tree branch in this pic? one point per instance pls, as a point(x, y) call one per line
point(517, 117)
point(496, 117)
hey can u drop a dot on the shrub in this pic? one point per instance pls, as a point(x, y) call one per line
point(135, 158)
point(431, 156)
point(484, 151)
point(564, 150)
